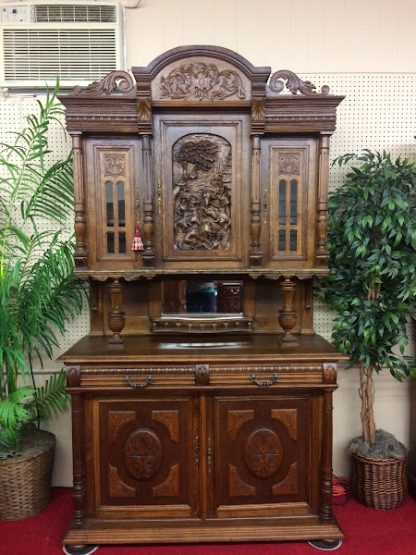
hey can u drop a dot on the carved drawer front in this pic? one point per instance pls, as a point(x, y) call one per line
point(137, 379)
point(144, 448)
point(260, 455)
point(265, 375)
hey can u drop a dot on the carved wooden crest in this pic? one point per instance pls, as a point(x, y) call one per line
point(202, 194)
point(201, 81)
point(115, 82)
point(285, 78)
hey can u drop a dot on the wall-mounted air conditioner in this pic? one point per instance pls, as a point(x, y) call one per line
point(79, 41)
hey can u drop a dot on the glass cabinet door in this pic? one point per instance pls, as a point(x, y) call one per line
point(112, 169)
point(289, 200)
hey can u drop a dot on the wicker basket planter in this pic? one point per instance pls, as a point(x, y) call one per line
point(25, 481)
point(381, 484)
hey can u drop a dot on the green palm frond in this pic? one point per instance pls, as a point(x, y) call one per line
point(39, 293)
point(14, 411)
point(51, 398)
point(53, 192)
point(38, 189)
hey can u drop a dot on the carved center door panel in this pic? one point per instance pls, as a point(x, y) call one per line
point(262, 456)
point(145, 453)
point(201, 168)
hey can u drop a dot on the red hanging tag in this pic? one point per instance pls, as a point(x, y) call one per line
point(137, 244)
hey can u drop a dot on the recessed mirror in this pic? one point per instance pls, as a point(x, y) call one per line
point(202, 297)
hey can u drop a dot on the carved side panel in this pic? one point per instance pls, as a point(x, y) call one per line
point(116, 420)
point(238, 488)
point(289, 483)
point(202, 192)
point(236, 418)
point(117, 487)
point(144, 452)
point(288, 417)
point(263, 449)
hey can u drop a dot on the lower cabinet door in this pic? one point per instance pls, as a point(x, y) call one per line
point(144, 457)
point(263, 459)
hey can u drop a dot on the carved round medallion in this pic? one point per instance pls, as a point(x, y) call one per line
point(263, 453)
point(143, 454)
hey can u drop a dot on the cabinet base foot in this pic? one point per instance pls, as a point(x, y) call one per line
point(326, 545)
point(157, 531)
point(79, 549)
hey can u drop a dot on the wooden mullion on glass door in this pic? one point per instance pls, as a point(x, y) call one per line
point(110, 219)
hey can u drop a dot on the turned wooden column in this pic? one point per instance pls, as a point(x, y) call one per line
point(148, 254)
point(73, 380)
point(80, 256)
point(116, 319)
point(287, 315)
point(322, 223)
point(329, 377)
point(255, 224)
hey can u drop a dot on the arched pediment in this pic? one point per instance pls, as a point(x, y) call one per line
point(201, 73)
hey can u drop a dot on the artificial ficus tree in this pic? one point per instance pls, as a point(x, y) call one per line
point(372, 279)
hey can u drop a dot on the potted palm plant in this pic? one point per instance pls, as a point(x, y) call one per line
point(372, 286)
point(38, 295)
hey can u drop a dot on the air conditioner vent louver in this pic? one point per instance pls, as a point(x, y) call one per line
point(78, 41)
point(74, 13)
point(73, 54)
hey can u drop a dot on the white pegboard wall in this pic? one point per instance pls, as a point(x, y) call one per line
point(378, 112)
point(13, 113)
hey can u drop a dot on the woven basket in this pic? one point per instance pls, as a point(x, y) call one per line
point(25, 481)
point(381, 484)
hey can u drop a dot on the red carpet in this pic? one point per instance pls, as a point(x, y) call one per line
point(368, 532)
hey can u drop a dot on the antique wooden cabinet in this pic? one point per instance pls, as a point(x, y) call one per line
point(201, 398)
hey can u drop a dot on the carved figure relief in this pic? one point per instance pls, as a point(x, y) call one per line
point(202, 192)
point(201, 81)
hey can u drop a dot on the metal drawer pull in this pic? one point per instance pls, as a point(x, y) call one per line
point(147, 381)
point(263, 383)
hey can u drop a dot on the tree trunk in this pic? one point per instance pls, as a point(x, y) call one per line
point(366, 392)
